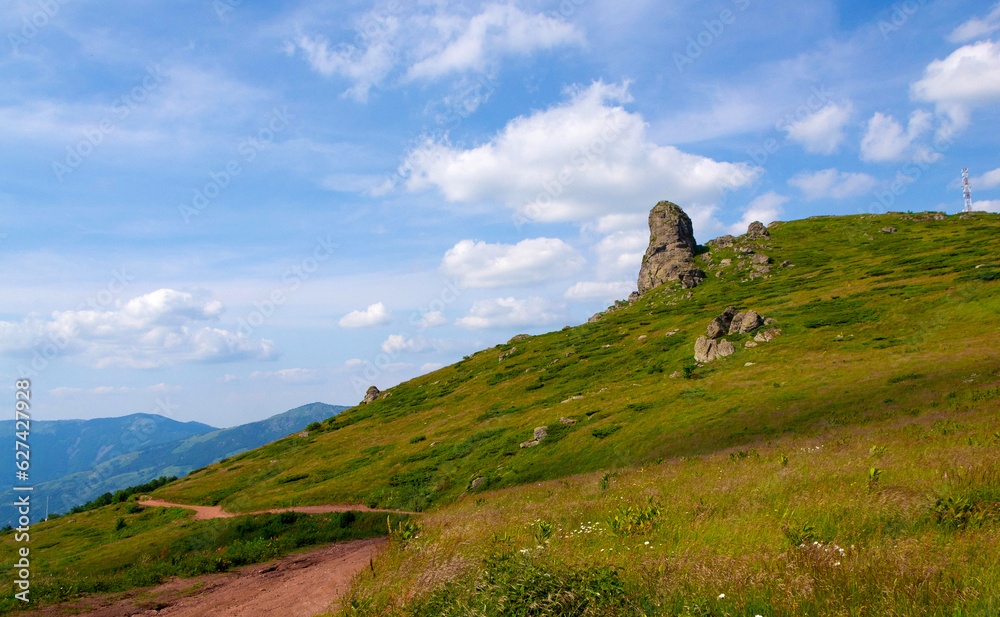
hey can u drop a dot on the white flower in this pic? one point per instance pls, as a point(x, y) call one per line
point(722, 595)
point(836, 563)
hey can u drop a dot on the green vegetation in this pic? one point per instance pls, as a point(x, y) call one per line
point(124, 495)
point(849, 466)
point(118, 547)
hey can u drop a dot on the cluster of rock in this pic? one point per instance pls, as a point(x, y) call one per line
point(670, 254)
point(371, 395)
point(756, 264)
point(730, 322)
point(540, 433)
point(930, 216)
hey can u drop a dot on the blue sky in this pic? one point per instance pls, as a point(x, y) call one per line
point(220, 210)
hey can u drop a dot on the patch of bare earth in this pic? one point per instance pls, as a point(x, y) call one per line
point(300, 585)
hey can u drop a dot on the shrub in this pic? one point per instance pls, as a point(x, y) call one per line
point(605, 431)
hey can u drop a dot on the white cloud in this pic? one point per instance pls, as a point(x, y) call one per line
point(65, 391)
point(823, 131)
point(596, 290)
point(397, 343)
point(989, 205)
point(375, 315)
point(969, 77)
point(988, 180)
point(430, 367)
point(156, 329)
point(620, 254)
point(832, 184)
point(290, 375)
point(478, 264)
point(500, 312)
point(163, 388)
point(977, 27)
point(429, 42)
point(764, 208)
point(583, 159)
point(886, 140)
point(432, 319)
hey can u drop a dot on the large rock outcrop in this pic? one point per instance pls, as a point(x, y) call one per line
point(670, 256)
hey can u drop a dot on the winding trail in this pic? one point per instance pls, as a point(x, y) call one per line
point(205, 513)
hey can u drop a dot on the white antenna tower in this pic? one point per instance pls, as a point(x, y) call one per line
point(966, 189)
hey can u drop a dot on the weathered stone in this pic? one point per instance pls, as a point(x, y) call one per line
point(477, 483)
point(541, 433)
point(761, 338)
point(676, 374)
point(757, 230)
point(595, 317)
point(750, 322)
point(573, 398)
point(760, 269)
point(725, 262)
point(670, 255)
point(749, 344)
point(769, 321)
point(632, 297)
point(704, 349)
point(760, 258)
point(567, 421)
point(518, 337)
point(642, 337)
point(720, 325)
point(724, 348)
point(889, 230)
point(721, 242)
point(371, 395)
point(529, 444)
point(504, 356)
point(787, 264)
point(734, 325)
point(671, 332)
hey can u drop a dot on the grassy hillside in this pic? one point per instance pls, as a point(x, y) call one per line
point(875, 325)
point(850, 466)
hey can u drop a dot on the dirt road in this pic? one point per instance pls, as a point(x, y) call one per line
point(301, 585)
point(204, 513)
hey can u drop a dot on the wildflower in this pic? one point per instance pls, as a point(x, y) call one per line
point(647, 541)
point(836, 563)
point(722, 595)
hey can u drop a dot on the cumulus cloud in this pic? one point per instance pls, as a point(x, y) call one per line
point(430, 367)
point(764, 208)
point(597, 290)
point(823, 131)
point(432, 319)
point(428, 42)
point(989, 180)
point(580, 160)
point(977, 27)
point(886, 140)
point(499, 312)
point(968, 78)
point(987, 205)
point(478, 264)
point(160, 328)
point(398, 343)
point(832, 184)
point(290, 375)
point(620, 254)
point(375, 315)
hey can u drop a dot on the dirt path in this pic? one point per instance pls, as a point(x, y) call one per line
point(301, 585)
point(204, 513)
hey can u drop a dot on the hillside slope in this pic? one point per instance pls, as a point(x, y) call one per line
point(875, 324)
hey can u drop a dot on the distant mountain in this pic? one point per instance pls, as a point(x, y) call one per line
point(74, 461)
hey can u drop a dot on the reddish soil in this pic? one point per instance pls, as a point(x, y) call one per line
point(204, 513)
point(300, 585)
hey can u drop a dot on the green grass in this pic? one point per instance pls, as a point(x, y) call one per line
point(884, 378)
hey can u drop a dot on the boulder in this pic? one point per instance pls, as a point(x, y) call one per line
point(724, 348)
point(541, 433)
point(889, 230)
point(371, 395)
point(504, 356)
point(518, 337)
point(750, 344)
point(725, 262)
point(567, 421)
point(760, 258)
point(676, 374)
point(595, 317)
point(750, 322)
point(734, 325)
point(477, 483)
point(632, 297)
point(721, 242)
point(704, 349)
point(757, 230)
point(529, 444)
point(670, 255)
point(720, 325)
